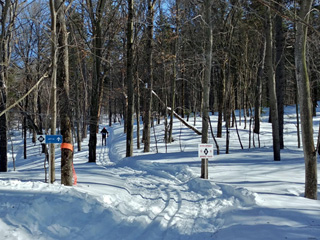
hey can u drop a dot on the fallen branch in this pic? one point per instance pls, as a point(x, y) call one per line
point(24, 96)
point(177, 116)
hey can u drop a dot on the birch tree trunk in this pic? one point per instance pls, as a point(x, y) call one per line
point(305, 103)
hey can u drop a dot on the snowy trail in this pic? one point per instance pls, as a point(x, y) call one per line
point(159, 196)
point(163, 199)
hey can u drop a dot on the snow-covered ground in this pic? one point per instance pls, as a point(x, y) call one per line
point(160, 195)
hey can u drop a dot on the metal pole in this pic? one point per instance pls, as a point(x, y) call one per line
point(49, 166)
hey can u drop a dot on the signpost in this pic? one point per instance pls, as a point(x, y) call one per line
point(49, 139)
point(205, 151)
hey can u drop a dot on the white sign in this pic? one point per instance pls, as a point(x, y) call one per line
point(41, 138)
point(205, 150)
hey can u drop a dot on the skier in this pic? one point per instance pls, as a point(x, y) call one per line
point(105, 133)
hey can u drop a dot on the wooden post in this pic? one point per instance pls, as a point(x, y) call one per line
point(204, 168)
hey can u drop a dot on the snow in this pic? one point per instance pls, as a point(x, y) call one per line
point(160, 195)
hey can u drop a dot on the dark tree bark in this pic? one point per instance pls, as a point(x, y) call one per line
point(173, 93)
point(149, 88)
point(137, 104)
point(97, 78)
point(272, 87)
point(221, 101)
point(280, 68)
point(130, 79)
point(258, 90)
point(25, 126)
point(4, 37)
point(64, 99)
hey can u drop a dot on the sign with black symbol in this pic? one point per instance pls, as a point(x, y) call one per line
point(205, 150)
point(41, 138)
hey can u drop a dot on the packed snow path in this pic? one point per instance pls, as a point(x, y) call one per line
point(166, 199)
point(160, 195)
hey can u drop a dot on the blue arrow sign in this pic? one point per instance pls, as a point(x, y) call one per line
point(53, 138)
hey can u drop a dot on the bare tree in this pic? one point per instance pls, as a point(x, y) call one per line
point(305, 102)
point(97, 79)
point(53, 108)
point(130, 79)
point(272, 87)
point(64, 99)
point(258, 90)
point(175, 72)
point(206, 83)
point(8, 11)
point(149, 87)
point(280, 68)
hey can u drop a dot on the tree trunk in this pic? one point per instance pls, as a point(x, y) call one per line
point(175, 73)
point(130, 79)
point(173, 96)
point(147, 116)
point(25, 125)
point(272, 87)
point(137, 103)
point(221, 96)
point(305, 102)
point(78, 117)
point(34, 112)
point(280, 68)
point(3, 121)
point(3, 88)
point(97, 78)
point(85, 101)
point(64, 99)
point(258, 92)
point(297, 115)
point(206, 83)
point(53, 107)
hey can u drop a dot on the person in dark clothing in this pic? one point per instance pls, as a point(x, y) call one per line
point(104, 133)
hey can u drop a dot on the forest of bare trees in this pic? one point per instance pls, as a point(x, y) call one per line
point(68, 65)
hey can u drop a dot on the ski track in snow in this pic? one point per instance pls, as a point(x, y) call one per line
point(160, 196)
point(168, 202)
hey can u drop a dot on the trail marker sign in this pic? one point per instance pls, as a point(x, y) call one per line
point(41, 138)
point(205, 151)
point(53, 138)
point(49, 139)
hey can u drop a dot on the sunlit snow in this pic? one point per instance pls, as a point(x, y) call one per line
point(160, 195)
